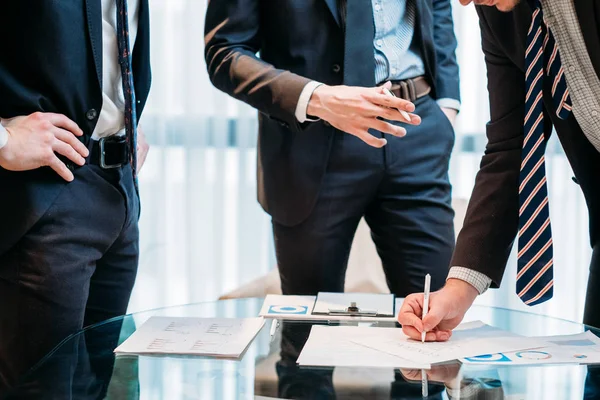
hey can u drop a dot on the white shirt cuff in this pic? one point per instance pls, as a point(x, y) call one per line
point(303, 101)
point(3, 136)
point(449, 103)
point(479, 281)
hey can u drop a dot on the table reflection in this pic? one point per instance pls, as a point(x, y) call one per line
point(84, 367)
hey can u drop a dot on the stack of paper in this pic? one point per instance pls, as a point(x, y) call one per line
point(334, 346)
point(582, 348)
point(218, 337)
point(325, 344)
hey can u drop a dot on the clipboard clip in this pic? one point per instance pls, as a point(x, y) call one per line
point(353, 310)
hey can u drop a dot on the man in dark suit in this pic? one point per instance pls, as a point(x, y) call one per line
point(74, 78)
point(332, 146)
point(543, 61)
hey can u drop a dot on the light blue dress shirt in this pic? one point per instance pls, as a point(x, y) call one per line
point(396, 56)
point(396, 50)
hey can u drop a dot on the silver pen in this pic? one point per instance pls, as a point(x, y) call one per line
point(402, 112)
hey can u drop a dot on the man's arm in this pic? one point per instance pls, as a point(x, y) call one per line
point(232, 39)
point(447, 80)
point(490, 226)
point(491, 222)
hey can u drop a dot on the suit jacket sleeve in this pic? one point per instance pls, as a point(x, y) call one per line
point(232, 40)
point(491, 223)
point(447, 80)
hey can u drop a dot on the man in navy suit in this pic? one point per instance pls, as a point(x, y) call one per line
point(74, 78)
point(333, 147)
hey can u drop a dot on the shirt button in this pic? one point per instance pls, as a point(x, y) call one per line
point(572, 68)
point(377, 7)
point(379, 42)
point(595, 113)
point(394, 71)
point(336, 68)
point(91, 114)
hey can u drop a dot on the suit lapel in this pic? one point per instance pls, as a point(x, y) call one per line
point(588, 13)
point(333, 7)
point(94, 21)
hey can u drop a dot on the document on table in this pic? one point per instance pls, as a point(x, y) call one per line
point(380, 304)
point(333, 346)
point(582, 348)
point(469, 339)
point(301, 308)
point(217, 337)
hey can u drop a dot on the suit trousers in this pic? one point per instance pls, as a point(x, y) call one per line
point(75, 266)
point(404, 193)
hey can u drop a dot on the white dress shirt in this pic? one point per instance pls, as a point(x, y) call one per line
point(111, 120)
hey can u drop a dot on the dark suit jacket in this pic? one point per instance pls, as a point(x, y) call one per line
point(299, 41)
point(51, 61)
point(491, 222)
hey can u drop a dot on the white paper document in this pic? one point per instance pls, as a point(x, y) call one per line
point(582, 348)
point(380, 304)
point(300, 308)
point(216, 337)
point(333, 346)
point(468, 340)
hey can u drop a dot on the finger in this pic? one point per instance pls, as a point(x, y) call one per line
point(391, 114)
point(411, 332)
point(386, 127)
point(411, 374)
point(415, 119)
point(66, 150)
point(62, 121)
point(412, 305)
point(61, 169)
point(369, 139)
point(387, 85)
point(433, 318)
point(389, 101)
point(71, 140)
point(442, 336)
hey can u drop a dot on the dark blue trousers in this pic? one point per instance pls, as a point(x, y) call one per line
point(74, 265)
point(404, 194)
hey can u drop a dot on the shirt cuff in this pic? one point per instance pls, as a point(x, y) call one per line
point(302, 105)
point(449, 103)
point(3, 136)
point(479, 281)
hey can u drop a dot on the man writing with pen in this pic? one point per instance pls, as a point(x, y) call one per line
point(543, 61)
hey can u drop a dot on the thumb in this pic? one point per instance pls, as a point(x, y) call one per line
point(433, 318)
point(387, 85)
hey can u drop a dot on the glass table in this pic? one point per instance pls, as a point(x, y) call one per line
point(84, 367)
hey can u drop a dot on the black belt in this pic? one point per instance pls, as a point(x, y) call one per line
point(110, 152)
point(411, 89)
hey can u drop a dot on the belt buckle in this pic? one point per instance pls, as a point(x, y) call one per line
point(103, 163)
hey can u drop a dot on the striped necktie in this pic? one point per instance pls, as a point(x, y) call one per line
point(128, 88)
point(542, 61)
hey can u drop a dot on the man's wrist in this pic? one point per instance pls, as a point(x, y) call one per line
point(478, 280)
point(3, 136)
point(465, 289)
point(447, 102)
point(302, 114)
point(315, 104)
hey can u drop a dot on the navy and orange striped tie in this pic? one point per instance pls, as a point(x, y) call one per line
point(542, 61)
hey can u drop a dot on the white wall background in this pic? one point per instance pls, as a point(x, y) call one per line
point(202, 231)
